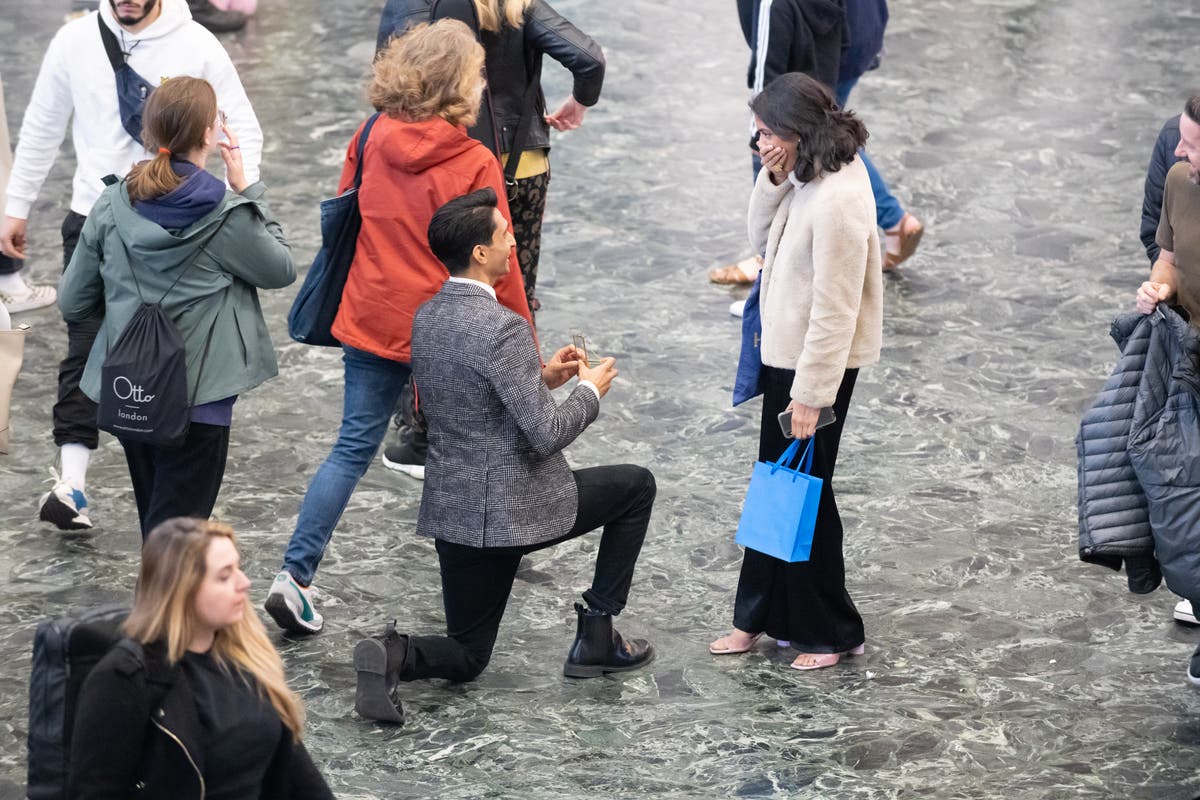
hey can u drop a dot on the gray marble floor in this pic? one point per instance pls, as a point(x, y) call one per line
point(998, 664)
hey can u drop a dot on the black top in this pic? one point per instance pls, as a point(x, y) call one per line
point(241, 729)
point(138, 733)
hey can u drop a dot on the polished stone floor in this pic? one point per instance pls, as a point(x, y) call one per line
point(998, 664)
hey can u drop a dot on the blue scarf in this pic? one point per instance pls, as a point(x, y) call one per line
point(197, 196)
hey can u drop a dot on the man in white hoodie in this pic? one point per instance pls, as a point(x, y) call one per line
point(158, 40)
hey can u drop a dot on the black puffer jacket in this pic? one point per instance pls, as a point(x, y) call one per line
point(514, 60)
point(1139, 468)
point(137, 733)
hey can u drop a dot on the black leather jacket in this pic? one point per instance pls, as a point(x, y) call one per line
point(514, 59)
point(137, 733)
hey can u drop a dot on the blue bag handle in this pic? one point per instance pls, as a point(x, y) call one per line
point(785, 460)
point(362, 146)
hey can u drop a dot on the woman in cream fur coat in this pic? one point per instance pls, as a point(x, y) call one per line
point(812, 215)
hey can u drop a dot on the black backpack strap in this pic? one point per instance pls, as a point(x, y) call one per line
point(191, 262)
point(111, 48)
point(362, 146)
point(203, 358)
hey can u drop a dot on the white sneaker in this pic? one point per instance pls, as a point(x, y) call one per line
point(291, 605)
point(1184, 613)
point(65, 506)
point(400, 458)
point(737, 308)
point(32, 298)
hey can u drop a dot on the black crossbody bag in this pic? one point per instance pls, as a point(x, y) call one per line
point(132, 89)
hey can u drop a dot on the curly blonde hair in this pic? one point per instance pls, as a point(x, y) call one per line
point(431, 71)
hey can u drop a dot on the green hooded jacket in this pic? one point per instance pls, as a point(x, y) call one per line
point(218, 294)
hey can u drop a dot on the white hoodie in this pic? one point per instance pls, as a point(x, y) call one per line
point(77, 78)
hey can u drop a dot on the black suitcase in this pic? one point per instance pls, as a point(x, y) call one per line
point(64, 651)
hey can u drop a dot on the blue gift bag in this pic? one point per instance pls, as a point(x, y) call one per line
point(780, 512)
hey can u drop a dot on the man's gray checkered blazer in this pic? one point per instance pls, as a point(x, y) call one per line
point(495, 475)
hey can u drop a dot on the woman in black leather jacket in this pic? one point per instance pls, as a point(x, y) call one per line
point(194, 703)
point(515, 35)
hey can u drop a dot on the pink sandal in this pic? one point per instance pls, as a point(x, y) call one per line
point(728, 651)
point(822, 660)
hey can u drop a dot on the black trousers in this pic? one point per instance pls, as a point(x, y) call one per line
point(476, 582)
point(10, 265)
point(75, 413)
point(806, 602)
point(178, 481)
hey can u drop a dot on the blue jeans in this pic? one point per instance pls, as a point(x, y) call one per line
point(372, 387)
point(888, 211)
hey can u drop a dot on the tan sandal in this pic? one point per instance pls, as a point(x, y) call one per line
point(901, 241)
point(742, 273)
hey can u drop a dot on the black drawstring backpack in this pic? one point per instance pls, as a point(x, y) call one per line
point(143, 380)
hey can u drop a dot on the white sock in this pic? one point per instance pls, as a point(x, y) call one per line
point(5, 319)
point(13, 283)
point(75, 459)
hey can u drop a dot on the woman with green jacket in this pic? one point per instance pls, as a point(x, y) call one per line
point(172, 230)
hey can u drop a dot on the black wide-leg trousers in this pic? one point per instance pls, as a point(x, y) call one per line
point(805, 602)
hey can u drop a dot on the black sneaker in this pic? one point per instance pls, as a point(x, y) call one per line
point(408, 455)
point(215, 19)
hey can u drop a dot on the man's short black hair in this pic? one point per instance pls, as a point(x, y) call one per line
point(460, 225)
point(1192, 108)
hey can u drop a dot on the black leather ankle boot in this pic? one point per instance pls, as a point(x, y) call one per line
point(599, 649)
point(378, 660)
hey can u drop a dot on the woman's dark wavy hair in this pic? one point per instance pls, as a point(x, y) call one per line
point(796, 105)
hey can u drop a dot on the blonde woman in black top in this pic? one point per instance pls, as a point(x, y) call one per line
point(194, 703)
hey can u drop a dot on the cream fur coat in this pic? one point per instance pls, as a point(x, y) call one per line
point(821, 299)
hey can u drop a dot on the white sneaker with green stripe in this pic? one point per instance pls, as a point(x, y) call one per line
point(291, 605)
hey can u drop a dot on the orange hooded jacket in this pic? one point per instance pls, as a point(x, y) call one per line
point(410, 169)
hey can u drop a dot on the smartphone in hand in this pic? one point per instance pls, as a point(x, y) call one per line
point(825, 417)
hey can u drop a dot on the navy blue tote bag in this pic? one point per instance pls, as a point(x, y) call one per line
point(311, 318)
point(749, 368)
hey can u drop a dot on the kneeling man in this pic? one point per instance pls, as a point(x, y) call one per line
point(496, 483)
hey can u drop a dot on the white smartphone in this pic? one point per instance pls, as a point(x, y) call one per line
point(826, 417)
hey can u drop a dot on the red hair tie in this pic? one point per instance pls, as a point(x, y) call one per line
point(164, 150)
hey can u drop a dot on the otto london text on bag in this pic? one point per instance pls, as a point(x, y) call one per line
point(780, 512)
point(143, 379)
point(311, 319)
